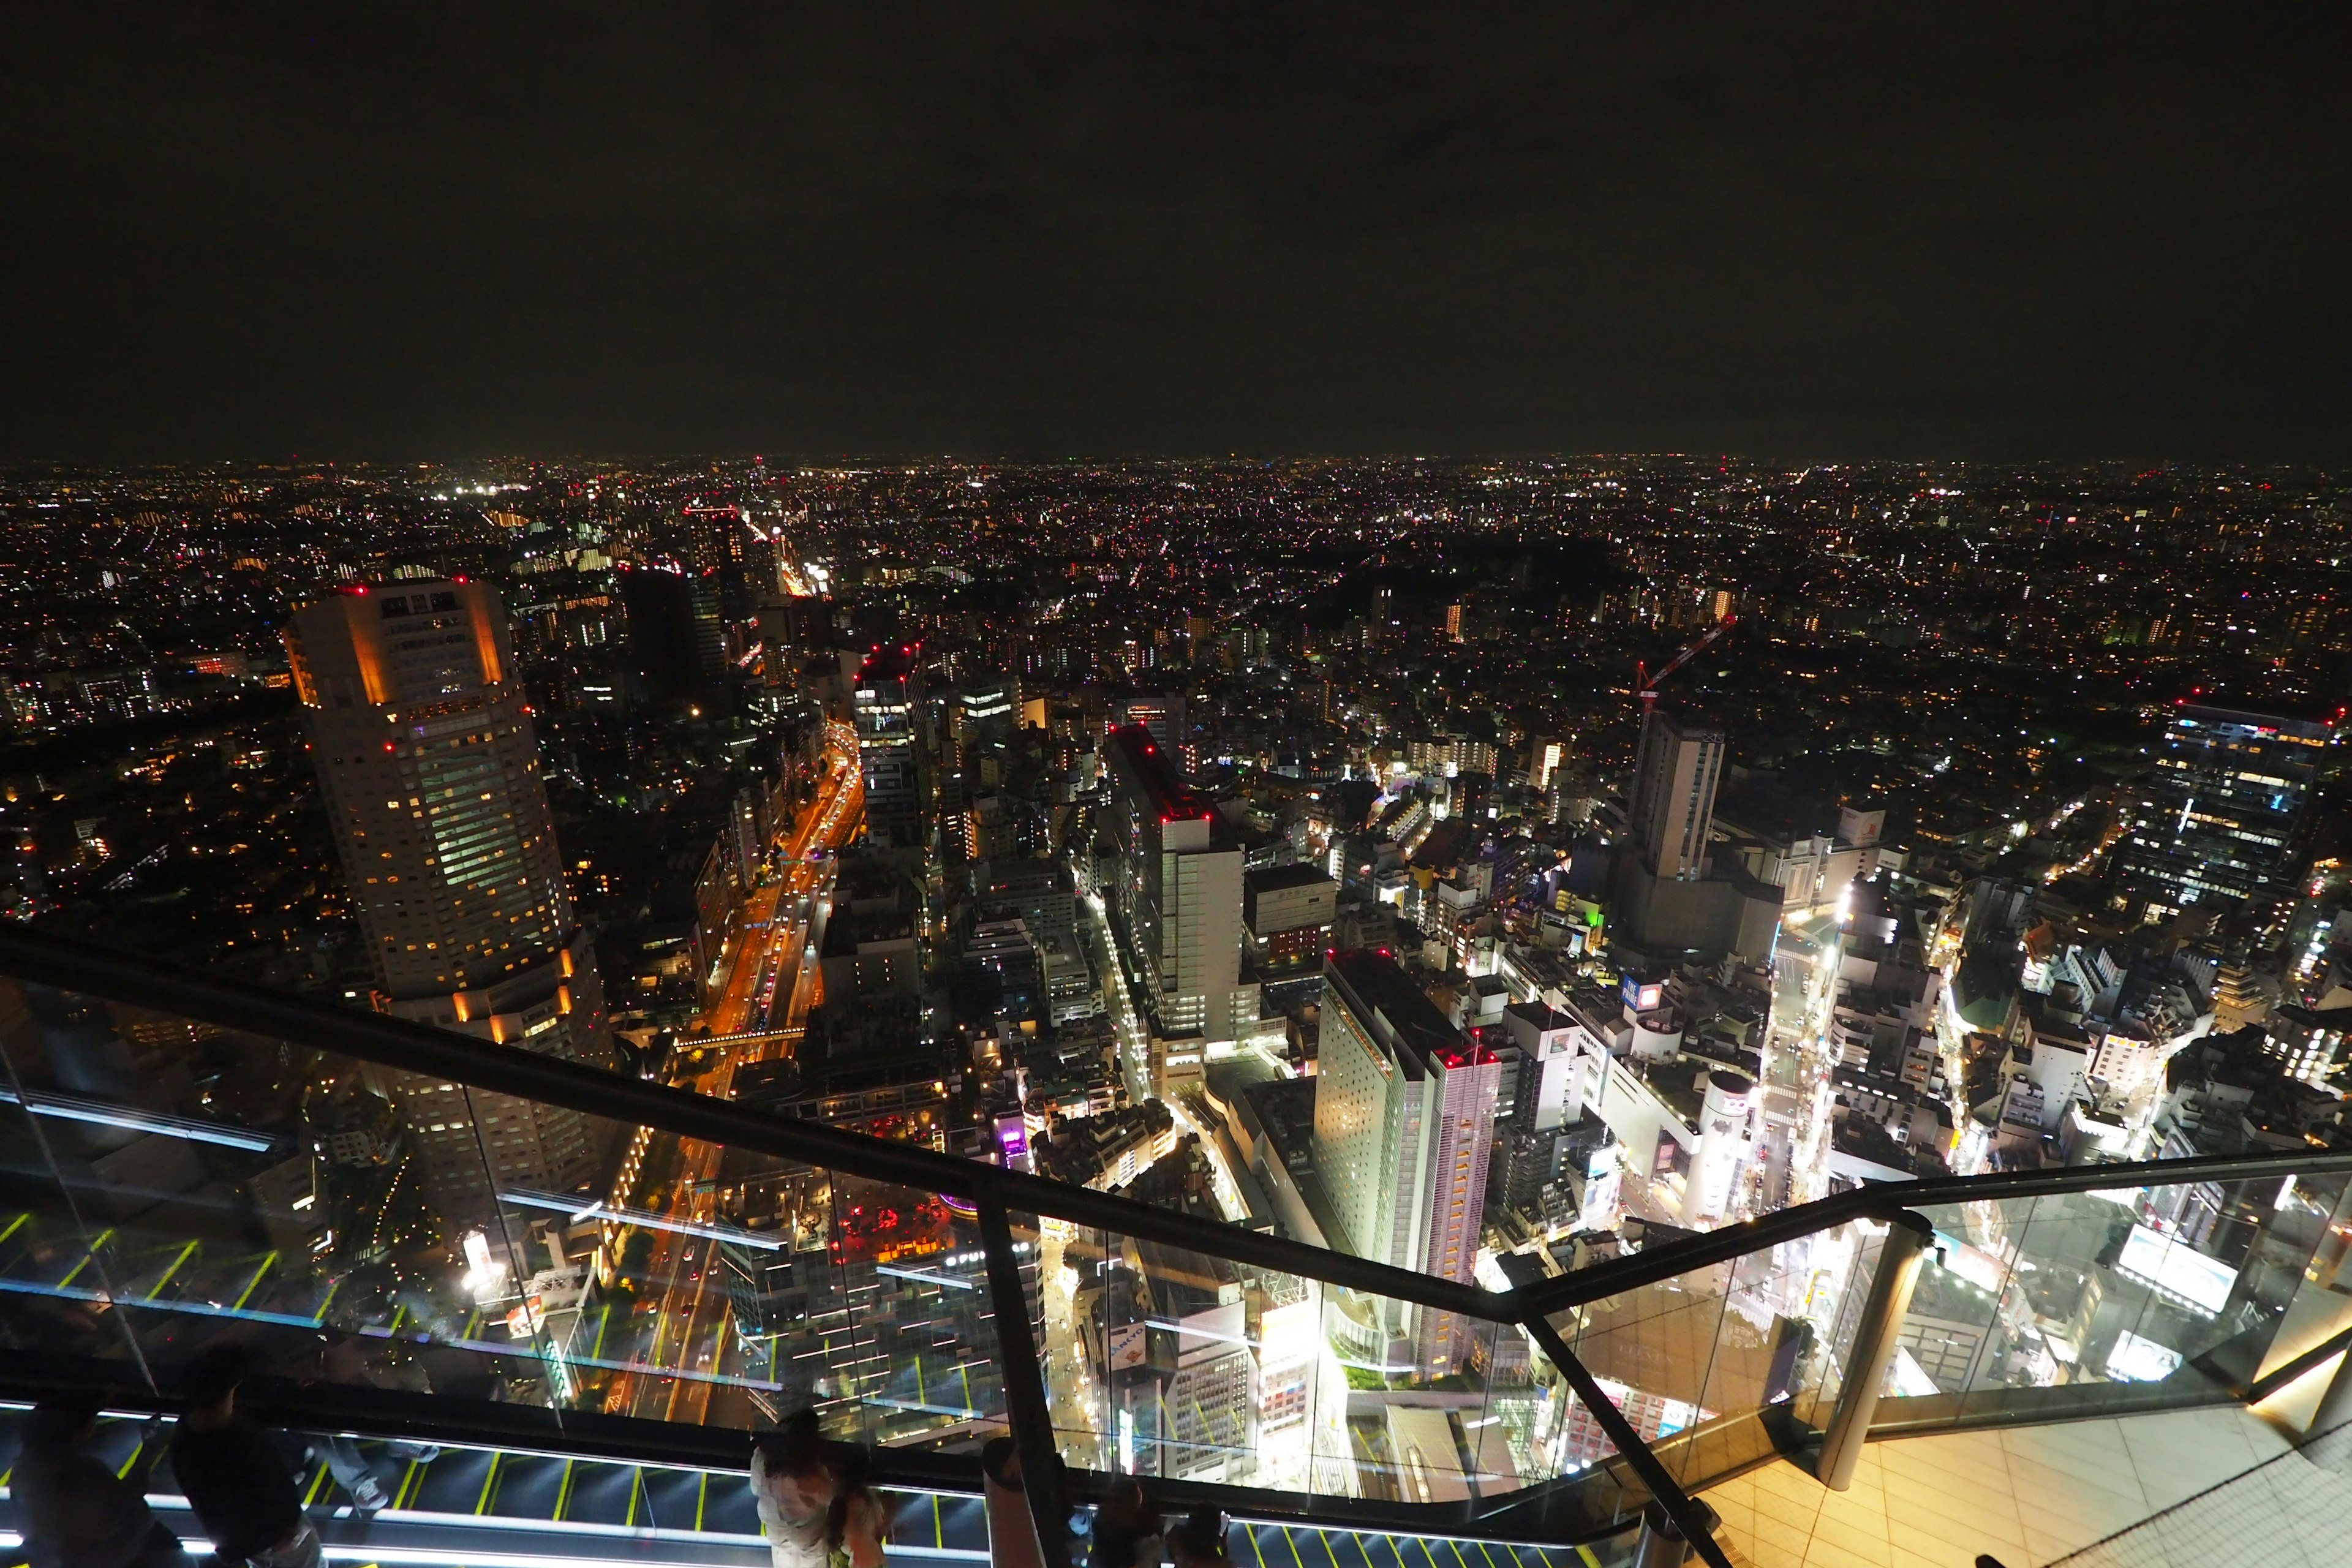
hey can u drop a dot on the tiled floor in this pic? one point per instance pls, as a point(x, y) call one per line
point(2026, 1495)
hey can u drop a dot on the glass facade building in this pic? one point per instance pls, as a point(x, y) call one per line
point(2220, 807)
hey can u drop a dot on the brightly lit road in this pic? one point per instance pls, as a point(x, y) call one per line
point(1069, 1389)
point(681, 1328)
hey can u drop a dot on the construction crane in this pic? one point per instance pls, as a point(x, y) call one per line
point(1645, 685)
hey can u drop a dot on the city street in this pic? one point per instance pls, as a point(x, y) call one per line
point(1070, 1392)
point(686, 1331)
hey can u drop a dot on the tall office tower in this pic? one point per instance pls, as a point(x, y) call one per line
point(1404, 1125)
point(1163, 715)
point(986, 711)
point(430, 773)
point(2217, 811)
point(1544, 757)
point(677, 637)
point(1673, 806)
point(887, 700)
point(1180, 891)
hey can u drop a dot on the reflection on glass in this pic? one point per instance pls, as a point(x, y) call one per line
point(1162, 1361)
point(1724, 1365)
point(2108, 1298)
point(169, 1182)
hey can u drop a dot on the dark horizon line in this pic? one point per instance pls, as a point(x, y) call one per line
point(1010, 459)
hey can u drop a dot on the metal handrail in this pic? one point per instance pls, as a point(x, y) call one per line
point(1883, 1200)
point(38, 958)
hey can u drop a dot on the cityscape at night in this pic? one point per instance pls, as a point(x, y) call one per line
point(1482, 868)
point(1197, 786)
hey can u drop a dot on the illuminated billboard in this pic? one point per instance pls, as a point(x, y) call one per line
point(2178, 1269)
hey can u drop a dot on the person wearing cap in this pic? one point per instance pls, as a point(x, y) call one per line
point(234, 1473)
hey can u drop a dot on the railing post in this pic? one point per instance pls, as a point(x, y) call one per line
point(1024, 1383)
point(1663, 1544)
point(1874, 1336)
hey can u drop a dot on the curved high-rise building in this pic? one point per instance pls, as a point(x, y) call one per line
point(429, 771)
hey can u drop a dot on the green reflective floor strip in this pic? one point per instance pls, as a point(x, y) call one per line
point(254, 1284)
point(186, 1252)
point(1455, 1548)
point(490, 1485)
point(1256, 1548)
point(637, 1484)
point(1425, 1551)
point(317, 1483)
point(1328, 1550)
point(408, 1482)
point(1514, 1550)
point(1292, 1542)
point(939, 1531)
point(1489, 1556)
point(563, 1492)
point(103, 1237)
point(1586, 1553)
point(701, 1495)
point(124, 1473)
point(13, 1223)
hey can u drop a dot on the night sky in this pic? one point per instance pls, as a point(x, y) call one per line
point(2037, 230)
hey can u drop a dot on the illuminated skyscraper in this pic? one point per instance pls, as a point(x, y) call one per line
point(1178, 896)
point(2217, 811)
point(987, 711)
point(1404, 1126)
point(1163, 715)
point(885, 700)
point(430, 775)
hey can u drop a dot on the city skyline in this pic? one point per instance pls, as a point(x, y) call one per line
point(1532, 787)
point(1478, 873)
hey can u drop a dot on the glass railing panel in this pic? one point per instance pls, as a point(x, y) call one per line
point(1165, 1362)
point(1963, 1309)
point(2116, 1298)
point(1592, 1486)
point(725, 1286)
point(2313, 1220)
point(170, 1184)
point(1652, 1350)
point(1728, 1365)
point(173, 1188)
point(1170, 1363)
